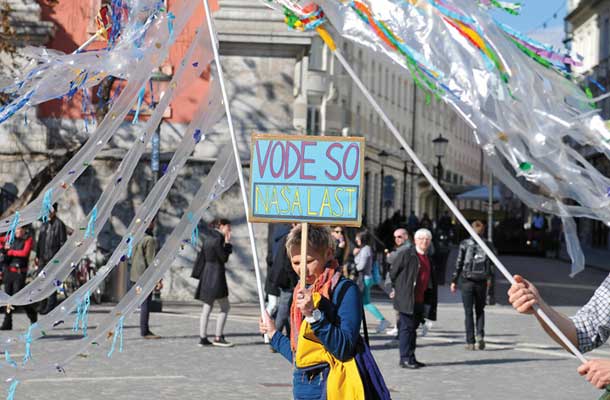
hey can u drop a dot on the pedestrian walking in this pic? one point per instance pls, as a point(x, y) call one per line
point(330, 359)
point(213, 281)
point(402, 243)
point(415, 295)
point(142, 258)
point(473, 271)
point(283, 277)
point(364, 264)
point(15, 272)
point(275, 237)
point(51, 238)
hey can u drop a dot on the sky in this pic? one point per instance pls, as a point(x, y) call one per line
point(534, 14)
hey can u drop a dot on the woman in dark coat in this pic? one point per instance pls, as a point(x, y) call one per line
point(210, 270)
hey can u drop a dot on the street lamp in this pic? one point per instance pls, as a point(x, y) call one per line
point(405, 170)
point(440, 148)
point(383, 159)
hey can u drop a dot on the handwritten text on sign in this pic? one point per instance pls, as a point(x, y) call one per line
point(306, 178)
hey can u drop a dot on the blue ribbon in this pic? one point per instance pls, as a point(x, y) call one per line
point(28, 344)
point(47, 204)
point(11, 390)
point(129, 246)
point(10, 235)
point(82, 314)
point(9, 360)
point(140, 100)
point(170, 26)
point(118, 331)
point(90, 232)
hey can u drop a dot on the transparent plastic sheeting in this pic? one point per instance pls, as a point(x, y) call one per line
point(197, 58)
point(525, 116)
point(141, 49)
point(221, 177)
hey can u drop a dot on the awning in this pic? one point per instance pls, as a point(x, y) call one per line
point(480, 193)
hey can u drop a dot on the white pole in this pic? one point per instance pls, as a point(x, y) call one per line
point(240, 172)
point(87, 43)
point(450, 204)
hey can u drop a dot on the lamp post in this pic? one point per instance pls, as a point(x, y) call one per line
point(383, 158)
point(440, 148)
point(405, 170)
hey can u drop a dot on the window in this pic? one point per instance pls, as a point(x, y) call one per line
point(373, 88)
point(393, 88)
point(387, 84)
point(313, 120)
point(345, 114)
point(380, 75)
point(357, 126)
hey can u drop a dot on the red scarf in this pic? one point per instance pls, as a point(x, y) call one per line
point(324, 285)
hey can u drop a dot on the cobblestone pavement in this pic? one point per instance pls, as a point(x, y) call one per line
point(519, 362)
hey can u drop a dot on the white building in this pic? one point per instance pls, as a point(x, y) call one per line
point(588, 34)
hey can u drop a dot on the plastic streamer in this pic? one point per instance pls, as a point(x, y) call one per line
point(208, 114)
point(76, 246)
point(506, 86)
point(53, 72)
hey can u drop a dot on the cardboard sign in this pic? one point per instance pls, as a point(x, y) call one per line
point(316, 179)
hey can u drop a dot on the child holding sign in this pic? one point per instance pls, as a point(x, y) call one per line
point(325, 344)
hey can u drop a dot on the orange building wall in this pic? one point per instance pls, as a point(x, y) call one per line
point(73, 21)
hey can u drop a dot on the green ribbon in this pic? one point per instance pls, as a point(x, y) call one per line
point(606, 395)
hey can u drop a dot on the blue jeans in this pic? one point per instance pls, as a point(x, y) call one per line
point(407, 333)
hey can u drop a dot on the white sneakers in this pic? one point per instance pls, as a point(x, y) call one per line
point(392, 332)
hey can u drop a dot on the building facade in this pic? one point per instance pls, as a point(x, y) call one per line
point(588, 35)
point(278, 81)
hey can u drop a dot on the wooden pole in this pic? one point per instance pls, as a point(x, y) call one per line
point(303, 264)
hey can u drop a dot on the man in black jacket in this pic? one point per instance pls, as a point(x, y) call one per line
point(212, 279)
point(51, 238)
point(474, 270)
point(415, 296)
point(283, 277)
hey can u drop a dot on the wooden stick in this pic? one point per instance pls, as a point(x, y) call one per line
point(303, 265)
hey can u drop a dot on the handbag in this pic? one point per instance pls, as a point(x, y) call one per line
point(372, 379)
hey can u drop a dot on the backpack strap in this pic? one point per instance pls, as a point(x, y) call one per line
point(343, 285)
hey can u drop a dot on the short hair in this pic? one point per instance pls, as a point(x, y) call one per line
point(220, 221)
point(365, 237)
point(423, 233)
point(319, 238)
point(403, 231)
point(478, 225)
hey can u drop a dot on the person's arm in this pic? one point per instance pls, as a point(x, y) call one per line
point(524, 295)
point(397, 266)
point(363, 258)
point(340, 338)
point(150, 249)
point(279, 342)
point(459, 263)
point(24, 252)
point(220, 250)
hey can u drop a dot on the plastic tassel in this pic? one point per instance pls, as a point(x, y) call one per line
point(82, 314)
point(84, 318)
point(195, 235)
point(9, 360)
point(47, 205)
point(91, 225)
point(10, 235)
point(139, 105)
point(129, 246)
point(28, 344)
point(11, 390)
point(118, 331)
point(170, 26)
